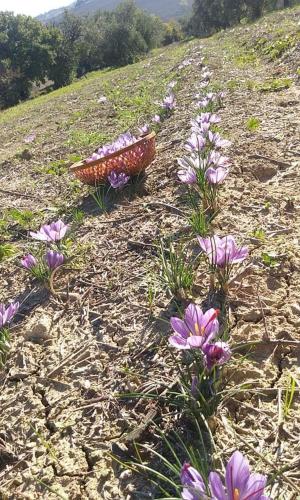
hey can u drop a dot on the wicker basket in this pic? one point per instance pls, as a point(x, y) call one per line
point(132, 160)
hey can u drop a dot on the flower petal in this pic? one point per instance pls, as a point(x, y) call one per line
point(216, 486)
point(180, 327)
point(178, 342)
point(237, 474)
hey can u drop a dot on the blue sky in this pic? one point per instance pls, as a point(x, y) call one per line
point(32, 7)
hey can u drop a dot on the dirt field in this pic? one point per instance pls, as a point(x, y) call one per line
point(73, 355)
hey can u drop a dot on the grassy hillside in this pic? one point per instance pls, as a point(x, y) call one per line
point(91, 388)
point(166, 9)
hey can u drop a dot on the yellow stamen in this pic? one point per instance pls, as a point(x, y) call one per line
point(199, 331)
point(236, 494)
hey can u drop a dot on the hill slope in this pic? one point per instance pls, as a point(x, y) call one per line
point(166, 9)
point(90, 361)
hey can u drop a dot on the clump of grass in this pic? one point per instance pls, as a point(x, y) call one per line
point(7, 250)
point(275, 85)
point(23, 218)
point(56, 167)
point(82, 138)
point(269, 259)
point(233, 84)
point(253, 124)
point(247, 59)
point(289, 395)
point(176, 273)
point(259, 234)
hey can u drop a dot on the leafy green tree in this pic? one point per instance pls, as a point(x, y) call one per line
point(25, 56)
point(66, 44)
point(173, 33)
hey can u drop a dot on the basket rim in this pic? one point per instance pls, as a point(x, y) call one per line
point(80, 165)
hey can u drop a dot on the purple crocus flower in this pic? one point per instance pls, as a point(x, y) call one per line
point(195, 143)
point(222, 252)
point(156, 119)
point(216, 175)
point(191, 162)
point(117, 181)
point(169, 102)
point(30, 138)
point(196, 329)
point(187, 175)
point(204, 84)
point(144, 129)
point(172, 84)
point(7, 314)
point(216, 159)
point(216, 140)
point(200, 128)
point(29, 261)
point(93, 157)
point(52, 232)
point(206, 75)
point(203, 103)
point(54, 259)
point(239, 482)
point(208, 118)
point(121, 142)
point(191, 480)
point(216, 354)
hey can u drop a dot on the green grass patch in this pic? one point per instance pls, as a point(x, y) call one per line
point(253, 124)
point(274, 85)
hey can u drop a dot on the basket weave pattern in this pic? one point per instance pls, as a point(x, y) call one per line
point(131, 160)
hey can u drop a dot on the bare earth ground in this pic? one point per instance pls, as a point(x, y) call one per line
point(59, 417)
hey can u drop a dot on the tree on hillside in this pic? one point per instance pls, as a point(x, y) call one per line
point(26, 52)
point(66, 45)
point(211, 15)
point(173, 33)
point(128, 34)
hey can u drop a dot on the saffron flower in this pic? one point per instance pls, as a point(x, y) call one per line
point(54, 259)
point(216, 354)
point(222, 252)
point(192, 162)
point(208, 118)
point(240, 484)
point(204, 84)
point(201, 128)
point(51, 233)
point(196, 143)
point(216, 176)
point(215, 159)
point(194, 486)
point(7, 314)
point(206, 75)
point(169, 102)
point(121, 142)
point(172, 84)
point(29, 262)
point(93, 157)
point(203, 103)
point(117, 181)
point(30, 138)
point(187, 175)
point(102, 99)
point(144, 129)
point(196, 329)
point(216, 140)
point(156, 119)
